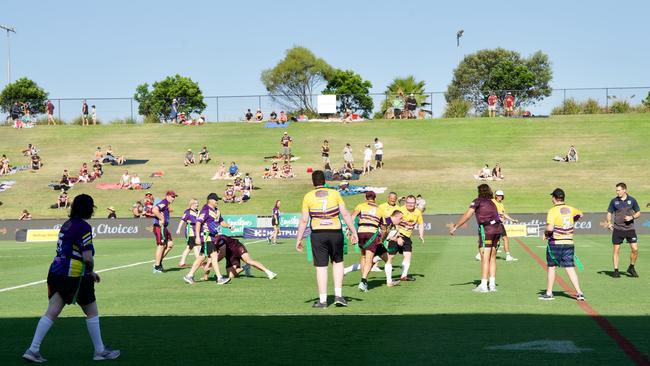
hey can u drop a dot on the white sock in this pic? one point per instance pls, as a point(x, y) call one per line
point(352, 268)
point(338, 292)
point(388, 268)
point(95, 333)
point(405, 268)
point(268, 272)
point(492, 282)
point(507, 254)
point(322, 297)
point(44, 325)
point(483, 282)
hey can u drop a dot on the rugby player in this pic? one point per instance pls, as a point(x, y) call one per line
point(490, 230)
point(412, 216)
point(392, 241)
point(71, 280)
point(560, 222)
point(369, 233)
point(624, 209)
point(164, 242)
point(323, 206)
point(390, 205)
point(207, 228)
point(234, 253)
point(498, 201)
point(189, 220)
point(275, 222)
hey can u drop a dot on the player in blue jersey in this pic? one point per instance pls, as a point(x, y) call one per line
point(71, 280)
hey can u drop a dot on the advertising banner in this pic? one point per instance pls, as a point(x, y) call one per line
point(238, 223)
point(265, 232)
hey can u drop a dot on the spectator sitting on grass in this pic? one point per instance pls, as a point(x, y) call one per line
point(125, 180)
point(5, 168)
point(221, 172)
point(111, 213)
point(135, 182)
point(287, 171)
point(25, 215)
point(233, 171)
point(204, 155)
point(248, 182)
point(31, 150)
point(485, 173)
point(283, 117)
point(497, 174)
point(110, 156)
point(259, 116)
point(137, 210)
point(189, 158)
point(572, 155)
point(273, 172)
point(83, 174)
point(248, 115)
point(36, 162)
point(229, 195)
point(63, 201)
point(274, 117)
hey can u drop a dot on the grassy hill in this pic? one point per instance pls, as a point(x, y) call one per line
point(435, 158)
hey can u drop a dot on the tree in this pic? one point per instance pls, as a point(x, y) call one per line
point(646, 101)
point(158, 101)
point(23, 90)
point(352, 91)
point(292, 81)
point(501, 71)
point(402, 87)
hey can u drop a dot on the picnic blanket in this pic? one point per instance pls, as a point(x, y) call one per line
point(117, 186)
point(58, 186)
point(352, 190)
point(6, 184)
point(16, 169)
point(276, 125)
point(355, 175)
point(279, 158)
point(132, 162)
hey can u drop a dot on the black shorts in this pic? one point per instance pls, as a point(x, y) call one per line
point(378, 157)
point(209, 247)
point(274, 222)
point(407, 247)
point(67, 287)
point(191, 242)
point(618, 236)
point(560, 255)
point(327, 245)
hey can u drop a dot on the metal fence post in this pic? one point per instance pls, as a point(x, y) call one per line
point(59, 107)
point(131, 109)
point(606, 100)
point(564, 101)
point(217, 98)
point(431, 105)
point(259, 102)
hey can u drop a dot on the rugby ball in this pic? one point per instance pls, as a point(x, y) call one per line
point(392, 235)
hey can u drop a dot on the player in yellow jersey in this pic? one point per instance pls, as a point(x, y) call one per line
point(560, 251)
point(411, 216)
point(370, 219)
point(390, 205)
point(322, 207)
point(499, 196)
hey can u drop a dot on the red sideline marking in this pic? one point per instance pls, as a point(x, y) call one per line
point(627, 346)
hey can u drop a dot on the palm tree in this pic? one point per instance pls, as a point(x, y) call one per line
point(402, 87)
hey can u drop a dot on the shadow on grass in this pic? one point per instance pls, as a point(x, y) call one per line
point(441, 339)
point(611, 273)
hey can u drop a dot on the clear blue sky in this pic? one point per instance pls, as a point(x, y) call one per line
point(106, 48)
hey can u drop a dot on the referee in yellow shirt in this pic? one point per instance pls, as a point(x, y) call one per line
point(322, 207)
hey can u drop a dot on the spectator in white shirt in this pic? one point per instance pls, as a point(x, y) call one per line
point(367, 159)
point(379, 153)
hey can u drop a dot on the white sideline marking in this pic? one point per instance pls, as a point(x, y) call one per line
point(103, 270)
point(548, 346)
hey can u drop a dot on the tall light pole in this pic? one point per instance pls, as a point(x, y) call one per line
point(8, 29)
point(458, 35)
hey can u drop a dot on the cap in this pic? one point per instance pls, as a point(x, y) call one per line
point(213, 196)
point(285, 132)
point(499, 193)
point(148, 194)
point(171, 193)
point(558, 193)
point(112, 209)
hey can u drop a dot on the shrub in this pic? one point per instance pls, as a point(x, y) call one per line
point(591, 106)
point(151, 119)
point(620, 106)
point(457, 108)
point(77, 121)
point(123, 121)
point(43, 121)
point(568, 106)
point(646, 101)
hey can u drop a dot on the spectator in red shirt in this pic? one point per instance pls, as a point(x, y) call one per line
point(510, 104)
point(492, 105)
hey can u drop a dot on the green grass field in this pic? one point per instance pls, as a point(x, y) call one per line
point(434, 320)
point(436, 158)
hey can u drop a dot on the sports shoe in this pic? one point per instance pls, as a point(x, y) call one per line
point(407, 278)
point(189, 279)
point(393, 283)
point(157, 269)
point(340, 301)
point(481, 289)
point(478, 257)
point(616, 274)
point(273, 275)
point(33, 356)
point(223, 280)
point(247, 269)
point(492, 289)
point(363, 287)
point(108, 354)
point(319, 305)
point(268, 238)
point(510, 258)
point(375, 268)
point(580, 297)
point(632, 271)
point(546, 297)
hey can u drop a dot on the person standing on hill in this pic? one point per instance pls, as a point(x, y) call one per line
point(50, 113)
point(492, 105)
point(84, 113)
point(623, 209)
point(509, 104)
